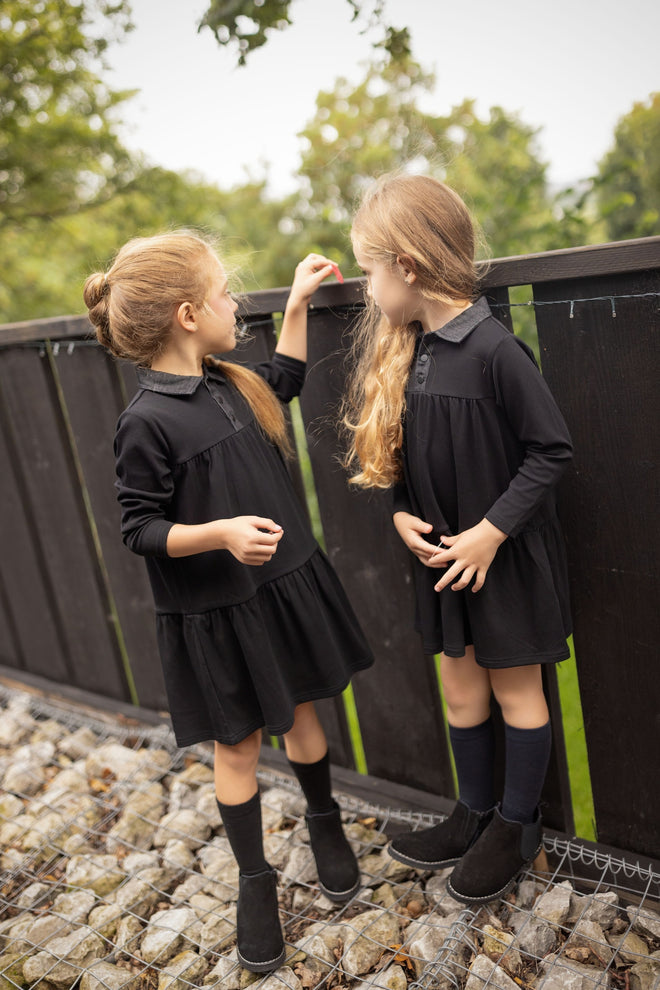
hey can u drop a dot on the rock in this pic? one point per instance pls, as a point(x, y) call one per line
point(484, 971)
point(75, 906)
point(370, 934)
point(277, 849)
point(283, 977)
point(168, 933)
point(534, 937)
point(77, 745)
point(300, 865)
point(63, 960)
point(392, 978)
point(218, 930)
point(497, 946)
point(141, 892)
point(554, 906)
point(137, 824)
point(178, 855)
point(11, 969)
point(226, 974)
point(185, 969)
point(559, 973)
point(629, 946)
point(128, 934)
point(32, 894)
point(185, 826)
point(105, 976)
point(45, 928)
point(127, 765)
point(645, 975)
point(645, 921)
point(104, 919)
point(97, 873)
point(10, 806)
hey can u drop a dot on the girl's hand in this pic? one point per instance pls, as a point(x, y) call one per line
point(410, 529)
point(251, 539)
point(310, 272)
point(472, 552)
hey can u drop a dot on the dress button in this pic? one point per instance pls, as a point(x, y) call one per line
point(423, 358)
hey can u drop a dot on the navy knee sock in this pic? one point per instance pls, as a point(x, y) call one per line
point(474, 758)
point(314, 779)
point(243, 829)
point(527, 756)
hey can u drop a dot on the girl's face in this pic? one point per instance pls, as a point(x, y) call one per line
point(216, 321)
point(388, 288)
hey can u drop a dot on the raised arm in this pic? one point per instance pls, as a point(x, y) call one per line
point(310, 272)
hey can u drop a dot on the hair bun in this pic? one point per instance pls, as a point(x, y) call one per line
point(96, 287)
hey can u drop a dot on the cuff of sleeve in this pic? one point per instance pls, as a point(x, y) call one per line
point(290, 364)
point(506, 525)
point(400, 499)
point(153, 538)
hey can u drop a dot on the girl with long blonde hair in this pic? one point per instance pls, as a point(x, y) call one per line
point(252, 622)
point(448, 409)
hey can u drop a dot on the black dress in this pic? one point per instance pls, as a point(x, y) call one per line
point(241, 646)
point(483, 437)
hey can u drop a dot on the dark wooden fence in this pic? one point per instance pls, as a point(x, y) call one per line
point(75, 606)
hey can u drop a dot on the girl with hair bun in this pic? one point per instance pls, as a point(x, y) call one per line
point(449, 410)
point(252, 622)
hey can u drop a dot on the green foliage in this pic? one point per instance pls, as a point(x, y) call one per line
point(248, 24)
point(627, 185)
point(58, 147)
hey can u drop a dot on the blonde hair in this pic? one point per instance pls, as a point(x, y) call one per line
point(421, 218)
point(133, 304)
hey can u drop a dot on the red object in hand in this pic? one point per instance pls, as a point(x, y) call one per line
point(340, 277)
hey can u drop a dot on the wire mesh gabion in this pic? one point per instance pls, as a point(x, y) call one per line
point(115, 873)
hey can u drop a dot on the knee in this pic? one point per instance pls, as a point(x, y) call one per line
point(242, 757)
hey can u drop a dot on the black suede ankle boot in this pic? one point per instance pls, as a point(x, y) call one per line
point(260, 943)
point(442, 845)
point(490, 867)
point(339, 873)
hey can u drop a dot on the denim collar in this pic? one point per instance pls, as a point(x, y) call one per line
point(457, 329)
point(162, 381)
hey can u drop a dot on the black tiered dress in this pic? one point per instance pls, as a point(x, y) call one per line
point(241, 646)
point(483, 437)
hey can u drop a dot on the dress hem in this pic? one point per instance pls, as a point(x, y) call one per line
point(528, 661)
point(274, 730)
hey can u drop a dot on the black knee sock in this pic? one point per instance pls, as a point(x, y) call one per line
point(474, 758)
point(243, 828)
point(314, 779)
point(527, 756)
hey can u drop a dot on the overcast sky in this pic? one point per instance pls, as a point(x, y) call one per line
point(571, 68)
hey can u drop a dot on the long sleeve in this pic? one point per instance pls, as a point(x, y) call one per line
point(144, 485)
point(536, 421)
point(284, 374)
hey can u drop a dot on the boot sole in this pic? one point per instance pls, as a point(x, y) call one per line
point(262, 967)
point(485, 898)
point(340, 895)
point(420, 864)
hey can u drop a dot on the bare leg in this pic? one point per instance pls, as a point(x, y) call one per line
point(466, 688)
point(305, 741)
point(235, 769)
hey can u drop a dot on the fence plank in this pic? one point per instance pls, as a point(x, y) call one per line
point(93, 398)
point(56, 513)
point(31, 634)
point(398, 701)
point(604, 372)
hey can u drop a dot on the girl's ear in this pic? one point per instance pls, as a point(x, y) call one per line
point(185, 317)
point(407, 267)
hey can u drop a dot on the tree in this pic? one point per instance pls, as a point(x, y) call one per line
point(360, 132)
point(627, 185)
point(247, 24)
point(59, 151)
